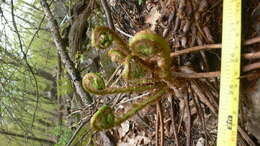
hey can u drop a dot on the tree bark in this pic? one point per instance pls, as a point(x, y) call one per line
point(69, 65)
point(77, 32)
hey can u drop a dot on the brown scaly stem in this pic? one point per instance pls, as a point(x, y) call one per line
point(127, 68)
point(144, 81)
point(210, 47)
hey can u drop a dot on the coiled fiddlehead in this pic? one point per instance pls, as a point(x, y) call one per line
point(93, 82)
point(103, 38)
point(116, 55)
point(150, 46)
point(105, 118)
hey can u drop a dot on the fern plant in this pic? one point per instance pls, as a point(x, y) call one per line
point(147, 68)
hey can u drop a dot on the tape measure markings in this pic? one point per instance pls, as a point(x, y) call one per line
point(230, 72)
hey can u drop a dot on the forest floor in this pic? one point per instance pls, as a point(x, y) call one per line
point(185, 24)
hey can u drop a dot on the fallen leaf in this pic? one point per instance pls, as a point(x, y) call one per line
point(153, 17)
point(125, 126)
point(201, 142)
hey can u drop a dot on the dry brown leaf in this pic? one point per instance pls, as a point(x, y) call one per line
point(153, 18)
point(125, 126)
point(137, 140)
point(201, 142)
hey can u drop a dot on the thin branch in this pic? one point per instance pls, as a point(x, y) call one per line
point(253, 41)
point(36, 32)
point(108, 14)
point(21, 18)
point(160, 119)
point(200, 114)
point(78, 132)
point(246, 137)
point(253, 75)
point(157, 127)
point(176, 137)
point(196, 75)
point(59, 97)
point(254, 55)
point(2, 15)
point(26, 61)
point(188, 120)
point(31, 5)
point(250, 67)
point(246, 68)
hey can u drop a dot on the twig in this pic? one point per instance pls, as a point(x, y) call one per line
point(188, 121)
point(113, 75)
point(250, 67)
point(195, 49)
point(209, 47)
point(253, 41)
point(196, 75)
point(246, 68)
point(36, 32)
point(157, 127)
point(160, 114)
point(240, 130)
point(3, 16)
point(200, 113)
point(74, 74)
point(59, 96)
point(254, 55)
point(82, 124)
point(251, 75)
point(202, 97)
point(108, 14)
point(180, 122)
point(245, 136)
point(124, 33)
point(134, 98)
point(174, 124)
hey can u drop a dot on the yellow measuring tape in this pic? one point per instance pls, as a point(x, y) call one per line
point(230, 73)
